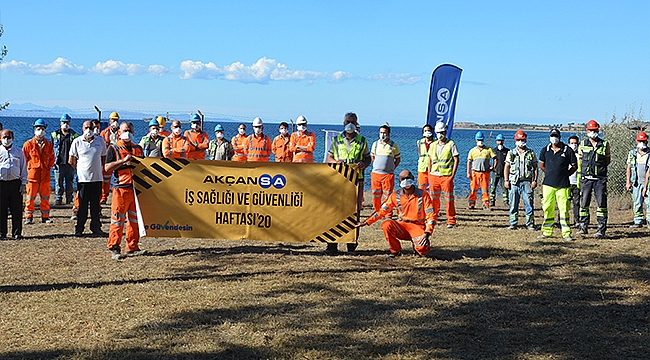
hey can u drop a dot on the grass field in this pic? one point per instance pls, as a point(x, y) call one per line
point(482, 293)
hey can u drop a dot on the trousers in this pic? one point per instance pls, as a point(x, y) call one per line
point(10, 197)
point(443, 185)
point(33, 189)
point(639, 204)
point(550, 197)
point(496, 181)
point(521, 190)
point(123, 214)
point(599, 188)
point(480, 180)
point(64, 175)
point(88, 197)
point(381, 185)
point(395, 230)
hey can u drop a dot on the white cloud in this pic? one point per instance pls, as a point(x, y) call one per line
point(158, 70)
point(340, 76)
point(116, 67)
point(60, 66)
point(397, 79)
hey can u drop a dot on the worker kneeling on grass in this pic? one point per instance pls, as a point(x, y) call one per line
point(415, 217)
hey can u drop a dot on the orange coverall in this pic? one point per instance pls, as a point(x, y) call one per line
point(238, 147)
point(110, 136)
point(415, 217)
point(175, 147)
point(197, 143)
point(282, 149)
point(258, 148)
point(308, 139)
point(123, 210)
point(40, 159)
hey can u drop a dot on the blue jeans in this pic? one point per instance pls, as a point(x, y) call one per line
point(64, 173)
point(521, 190)
point(639, 202)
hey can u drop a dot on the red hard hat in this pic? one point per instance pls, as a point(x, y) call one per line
point(520, 135)
point(641, 136)
point(592, 125)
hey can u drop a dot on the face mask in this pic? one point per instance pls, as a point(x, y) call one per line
point(382, 136)
point(592, 134)
point(521, 144)
point(406, 183)
point(500, 147)
point(302, 127)
point(574, 146)
point(427, 134)
point(96, 131)
point(219, 135)
point(441, 136)
point(196, 126)
point(154, 132)
point(641, 146)
point(114, 125)
point(126, 136)
point(89, 133)
point(283, 131)
point(554, 140)
point(350, 128)
point(7, 142)
point(257, 130)
point(176, 131)
point(479, 143)
point(39, 133)
point(242, 131)
point(65, 126)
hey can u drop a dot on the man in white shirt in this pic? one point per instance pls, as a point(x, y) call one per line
point(13, 183)
point(87, 156)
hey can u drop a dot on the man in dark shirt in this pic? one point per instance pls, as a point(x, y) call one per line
point(63, 171)
point(497, 178)
point(558, 162)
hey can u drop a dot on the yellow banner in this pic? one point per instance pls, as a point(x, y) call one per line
point(253, 201)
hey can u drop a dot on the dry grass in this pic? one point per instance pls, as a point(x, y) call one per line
point(484, 292)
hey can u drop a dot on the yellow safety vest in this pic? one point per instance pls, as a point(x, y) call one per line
point(445, 163)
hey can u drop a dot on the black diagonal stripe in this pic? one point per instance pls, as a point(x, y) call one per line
point(329, 236)
point(320, 239)
point(137, 192)
point(352, 219)
point(183, 161)
point(151, 176)
point(135, 160)
point(161, 170)
point(345, 231)
point(346, 170)
point(333, 231)
point(348, 223)
point(141, 182)
point(171, 164)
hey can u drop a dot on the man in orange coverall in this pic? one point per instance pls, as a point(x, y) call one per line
point(415, 217)
point(39, 155)
point(110, 135)
point(123, 210)
point(303, 142)
point(197, 139)
point(175, 145)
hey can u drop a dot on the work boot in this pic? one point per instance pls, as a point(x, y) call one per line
point(73, 217)
point(46, 221)
point(28, 221)
point(116, 255)
point(393, 255)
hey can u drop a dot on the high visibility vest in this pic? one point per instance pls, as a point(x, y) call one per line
point(238, 146)
point(631, 159)
point(444, 164)
point(109, 136)
point(199, 142)
point(258, 149)
point(308, 139)
point(174, 147)
point(57, 137)
point(530, 164)
point(149, 145)
point(593, 159)
point(423, 156)
point(354, 155)
point(123, 177)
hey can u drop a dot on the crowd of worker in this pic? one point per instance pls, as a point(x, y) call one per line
point(101, 162)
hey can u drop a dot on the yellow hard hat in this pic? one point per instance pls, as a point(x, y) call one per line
point(114, 115)
point(161, 120)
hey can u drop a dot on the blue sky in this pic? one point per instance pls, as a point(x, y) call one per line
point(523, 61)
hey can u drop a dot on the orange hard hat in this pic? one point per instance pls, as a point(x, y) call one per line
point(592, 125)
point(641, 136)
point(520, 135)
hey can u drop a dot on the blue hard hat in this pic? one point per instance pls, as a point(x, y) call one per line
point(153, 122)
point(195, 118)
point(65, 118)
point(479, 136)
point(218, 127)
point(39, 122)
point(500, 137)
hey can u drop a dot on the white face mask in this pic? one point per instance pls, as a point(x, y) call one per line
point(641, 146)
point(257, 130)
point(283, 131)
point(427, 134)
point(441, 136)
point(176, 131)
point(382, 136)
point(350, 128)
point(479, 143)
point(241, 131)
point(96, 131)
point(219, 135)
point(406, 183)
point(521, 144)
point(302, 127)
point(554, 140)
point(39, 133)
point(500, 147)
point(154, 132)
point(196, 126)
point(573, 146)
point(592, 134)
point(126, 136)
point(89, 133)
point(65, 126)
point(114, 125)
point(7, 142)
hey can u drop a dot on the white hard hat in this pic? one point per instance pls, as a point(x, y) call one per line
point(301, 120)
point(440, 127)
point(257, 122)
